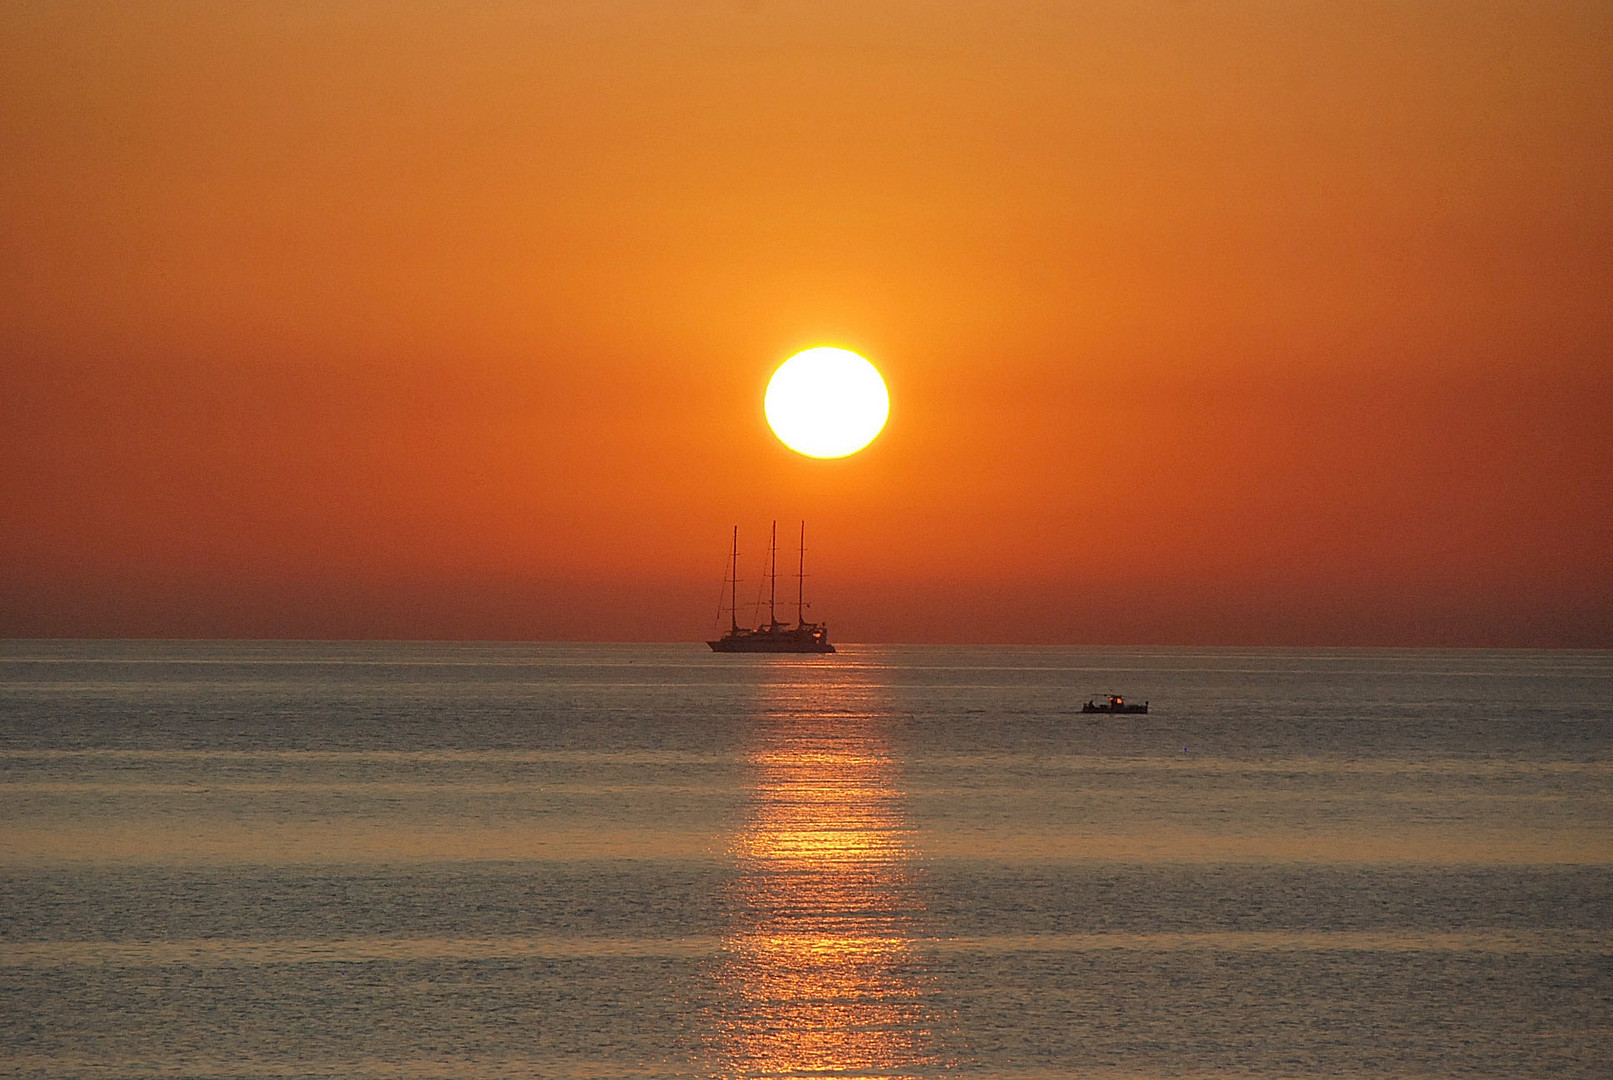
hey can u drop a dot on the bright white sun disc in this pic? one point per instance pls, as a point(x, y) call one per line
point(826, 403)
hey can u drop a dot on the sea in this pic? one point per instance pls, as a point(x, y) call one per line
point(415, 860)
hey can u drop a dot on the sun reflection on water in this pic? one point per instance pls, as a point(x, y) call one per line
point(817, 975)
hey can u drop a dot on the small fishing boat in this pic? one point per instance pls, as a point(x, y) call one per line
point(1115, 704)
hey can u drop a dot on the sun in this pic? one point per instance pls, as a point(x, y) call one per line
point(826, 403)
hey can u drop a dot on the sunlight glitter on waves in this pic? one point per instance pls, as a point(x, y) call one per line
point(808, 845)
point(817, 975)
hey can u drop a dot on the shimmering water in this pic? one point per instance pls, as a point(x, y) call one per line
point(419, 860)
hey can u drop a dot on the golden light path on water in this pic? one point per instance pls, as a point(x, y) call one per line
point(816, 976)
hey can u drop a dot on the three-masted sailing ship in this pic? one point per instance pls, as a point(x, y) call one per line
point(772, 636)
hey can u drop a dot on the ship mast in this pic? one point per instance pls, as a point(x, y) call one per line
point(772, 590)
point(733, 577)
point(800, 582)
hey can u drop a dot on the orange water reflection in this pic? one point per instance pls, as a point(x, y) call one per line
point(818, 972)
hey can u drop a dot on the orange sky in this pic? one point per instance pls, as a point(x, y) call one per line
point(1281, 322)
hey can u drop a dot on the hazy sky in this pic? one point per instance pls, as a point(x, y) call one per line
point(1274, 322)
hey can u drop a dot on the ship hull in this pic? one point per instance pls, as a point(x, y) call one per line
point(784, 641)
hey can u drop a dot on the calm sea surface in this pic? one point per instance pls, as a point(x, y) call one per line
point(421, 860)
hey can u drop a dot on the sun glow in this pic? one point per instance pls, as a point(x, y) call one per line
point(826, 403)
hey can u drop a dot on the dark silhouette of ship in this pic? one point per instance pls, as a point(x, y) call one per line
point(772, 636)
point(1115, 704)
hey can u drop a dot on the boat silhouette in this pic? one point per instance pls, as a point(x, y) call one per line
point(772, 636)
point(1115, 704)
